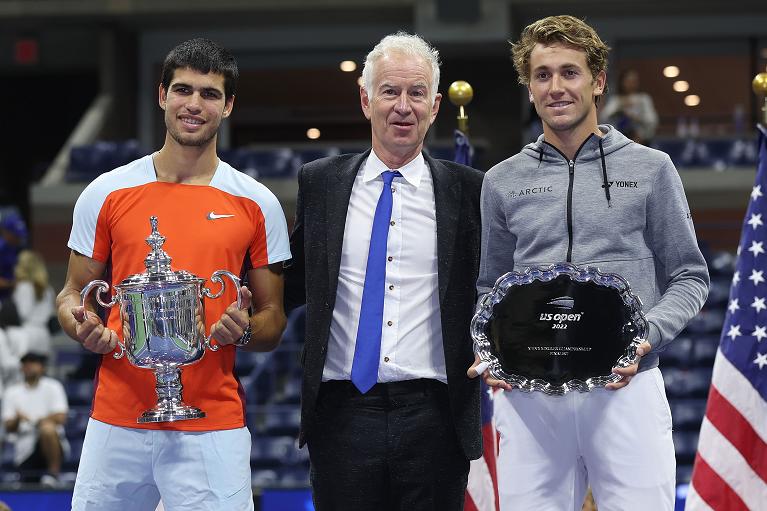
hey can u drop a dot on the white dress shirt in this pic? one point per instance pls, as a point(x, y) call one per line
point(411, 340)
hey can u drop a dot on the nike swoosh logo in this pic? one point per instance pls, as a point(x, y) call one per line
point(213, 216)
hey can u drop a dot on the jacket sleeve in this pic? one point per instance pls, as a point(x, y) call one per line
point(680, 268)
point(498, 243)
point(295, 286)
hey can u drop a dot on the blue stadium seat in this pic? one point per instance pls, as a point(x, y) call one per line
point(687, 383)
point(687, 414)
point(704, 348)
point(77, 421)
point(283, 421)
point(685, 446)
point(89, 161)
point(708, 321)
point(722, 264)
point(79, 392)
point(683, 473)
point(678, 353)
point(302, 156)
point(294, 475)
point(72, 461)
point(264, 477)
point(270, 452)
point(719, 291)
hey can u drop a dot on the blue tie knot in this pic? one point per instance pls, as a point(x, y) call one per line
point(389, 175)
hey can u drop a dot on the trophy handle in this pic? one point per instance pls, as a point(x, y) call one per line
point(216, 277)
point(101, 287)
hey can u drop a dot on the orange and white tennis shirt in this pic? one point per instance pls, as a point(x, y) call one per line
point(220, 226)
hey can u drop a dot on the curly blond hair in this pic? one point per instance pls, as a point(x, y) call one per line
point(567, 30)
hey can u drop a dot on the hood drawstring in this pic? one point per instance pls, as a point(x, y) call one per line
point(540, 156)
point(605, 184)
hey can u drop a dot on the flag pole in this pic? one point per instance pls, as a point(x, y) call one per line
point(760, 89)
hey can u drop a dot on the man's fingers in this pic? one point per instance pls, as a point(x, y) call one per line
point(477, 368)
point(79, 314)
point(497, 383)
point(643, 349)
point(247, 298)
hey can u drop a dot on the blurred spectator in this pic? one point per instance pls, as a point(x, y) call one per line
point(630, 110)
point(34, 300)
point(34, 413)
point(25, 315)
point(13, 238)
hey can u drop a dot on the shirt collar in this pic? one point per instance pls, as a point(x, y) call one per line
point(411, 171)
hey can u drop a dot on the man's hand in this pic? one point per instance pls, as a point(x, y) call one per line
point(629, 372)
point(234, 321)
point(91, 333)
point(480, 368)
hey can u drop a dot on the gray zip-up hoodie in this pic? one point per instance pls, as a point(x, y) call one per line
point(617, 205)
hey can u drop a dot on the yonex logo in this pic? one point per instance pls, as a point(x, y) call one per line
point(214, 216)
point(564, 302)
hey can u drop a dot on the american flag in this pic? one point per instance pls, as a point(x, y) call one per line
point(482, 490)
point(730, 470)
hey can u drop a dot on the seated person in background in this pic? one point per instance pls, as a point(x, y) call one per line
point(632, 112)
point(34, 299)
point(13, 237)
point(25, 317)
point(34, 413)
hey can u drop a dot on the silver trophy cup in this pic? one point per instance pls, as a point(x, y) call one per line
point(163, 323)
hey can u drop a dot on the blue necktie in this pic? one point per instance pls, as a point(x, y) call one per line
point(367, 351)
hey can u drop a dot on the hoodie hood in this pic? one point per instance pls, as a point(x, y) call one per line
point(612, 140)
point(591, 149)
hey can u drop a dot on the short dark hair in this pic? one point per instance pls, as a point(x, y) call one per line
point(205, 56)
point(32, 356)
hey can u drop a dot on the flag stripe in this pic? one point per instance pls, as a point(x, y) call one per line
point(481, 489)
point(738, 391)
point(738, 431)
point(694, 501)
point(713, 490)
point(719, 454)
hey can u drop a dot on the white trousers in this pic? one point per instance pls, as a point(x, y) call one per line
point(618, 442)
point(125, 469)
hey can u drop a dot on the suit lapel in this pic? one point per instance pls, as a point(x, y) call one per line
point(338, 190)
point(447, 202)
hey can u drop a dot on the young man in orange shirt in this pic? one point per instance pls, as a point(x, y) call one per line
point(213, 218)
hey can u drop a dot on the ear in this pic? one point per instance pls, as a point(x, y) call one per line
point(599, 83)
point(228, 106)
point(530, 94)
point(435, 107)
point(162, 96)
point(365, 102)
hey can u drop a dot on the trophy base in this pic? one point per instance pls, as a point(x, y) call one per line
point(171, 414)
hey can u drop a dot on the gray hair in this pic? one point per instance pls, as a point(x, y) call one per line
point(407, 44)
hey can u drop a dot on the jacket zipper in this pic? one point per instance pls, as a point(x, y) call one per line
point(571, 169)
point(571, 164)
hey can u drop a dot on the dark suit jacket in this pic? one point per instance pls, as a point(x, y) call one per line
point(324, 188)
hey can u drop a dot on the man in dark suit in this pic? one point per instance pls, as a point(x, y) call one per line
point(385, 256)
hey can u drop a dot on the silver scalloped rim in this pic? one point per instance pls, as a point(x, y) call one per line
point(483, 347)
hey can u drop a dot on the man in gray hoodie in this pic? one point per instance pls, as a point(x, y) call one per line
point(586, 194)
